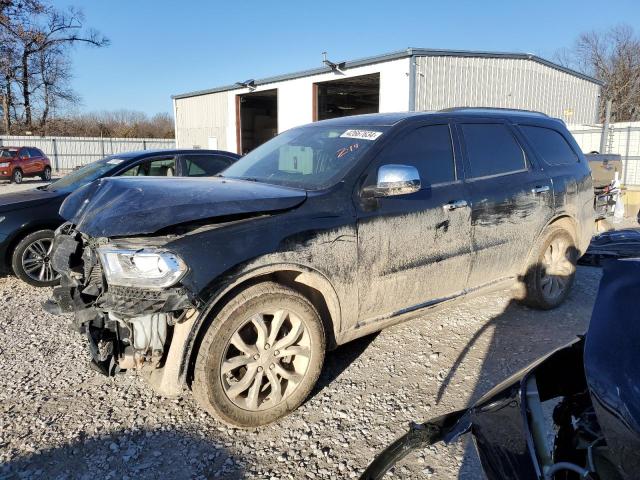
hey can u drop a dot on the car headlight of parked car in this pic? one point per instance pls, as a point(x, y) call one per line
point(4, 164)
point(146, 268)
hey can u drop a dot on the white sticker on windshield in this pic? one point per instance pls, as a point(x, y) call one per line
point(115, 161)
point(361, 134)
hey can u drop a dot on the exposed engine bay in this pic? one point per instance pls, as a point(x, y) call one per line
point(127, 327)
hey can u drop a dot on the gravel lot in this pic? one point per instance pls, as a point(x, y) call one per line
point(59, 419)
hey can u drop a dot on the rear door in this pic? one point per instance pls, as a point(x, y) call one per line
point(414, 249)
point(511, 197)
point(553, 150)
point(37, 160)
point(203, 165)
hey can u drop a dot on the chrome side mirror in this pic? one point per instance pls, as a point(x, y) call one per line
point(397, 180)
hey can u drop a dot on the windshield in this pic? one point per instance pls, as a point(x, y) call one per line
point(86, 174)
point(311, 158)
point(8, 153)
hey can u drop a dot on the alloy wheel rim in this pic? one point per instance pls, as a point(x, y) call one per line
point(265, 360)
point(47, 174)
point(18, 177)
point(557, 268)
point(36, 261)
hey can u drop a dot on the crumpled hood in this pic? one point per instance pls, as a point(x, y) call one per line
point(24, 199)
point(112, 207)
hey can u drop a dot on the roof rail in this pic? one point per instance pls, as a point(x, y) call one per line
point(492, 109)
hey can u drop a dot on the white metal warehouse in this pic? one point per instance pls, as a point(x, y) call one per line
point(240, 117)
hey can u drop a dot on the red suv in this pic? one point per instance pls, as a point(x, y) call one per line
point(19, 162)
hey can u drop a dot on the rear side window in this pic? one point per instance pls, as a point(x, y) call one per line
point(34, 152)
point(205, 165)
point(550, 145)
point(24, 153)
point(428, 149)
point(492, 150)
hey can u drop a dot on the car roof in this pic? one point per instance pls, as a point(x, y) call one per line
point(390, 119)
point(173, 151)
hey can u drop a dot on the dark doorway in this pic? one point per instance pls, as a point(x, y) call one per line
point(258, 122)
point(348, 96)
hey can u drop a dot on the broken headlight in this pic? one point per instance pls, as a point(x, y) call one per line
point(146, 268)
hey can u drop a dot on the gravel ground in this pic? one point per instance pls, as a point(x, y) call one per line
point(59, 419)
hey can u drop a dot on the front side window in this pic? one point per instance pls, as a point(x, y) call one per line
point(205, 165)
point(429, 149)
point(312, 157)
point(8, 152)
point(491, 150)
point(550, 145)
point(24, 153)
point(159, 167)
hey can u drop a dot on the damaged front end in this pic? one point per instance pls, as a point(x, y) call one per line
point(123, 298)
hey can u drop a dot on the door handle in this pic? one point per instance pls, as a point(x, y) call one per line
point(455, 204)
point(541, 189)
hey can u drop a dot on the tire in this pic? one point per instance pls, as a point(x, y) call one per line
point(550, 275)
point(227, 395)
point(31, 262)
point(46, 174)
point(17, 176)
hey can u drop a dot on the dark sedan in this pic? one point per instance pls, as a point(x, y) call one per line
point(29, 218)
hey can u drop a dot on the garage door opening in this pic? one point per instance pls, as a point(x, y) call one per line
point(258, 122)
point(348, 96)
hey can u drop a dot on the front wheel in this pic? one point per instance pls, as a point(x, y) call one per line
point(17, 176)
point(261, 356)
point(550, 277)
point(31, 259)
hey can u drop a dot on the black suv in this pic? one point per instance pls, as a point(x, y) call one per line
point(236, 286)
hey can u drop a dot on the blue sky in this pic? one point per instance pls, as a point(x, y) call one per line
point(160, 47)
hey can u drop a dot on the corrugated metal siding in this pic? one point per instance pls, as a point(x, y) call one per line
point(202, 117)
point(624, 139)
point(67, 153)
point(445, 82)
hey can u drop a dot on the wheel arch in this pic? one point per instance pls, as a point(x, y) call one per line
point(562, 220)
point(308, 282)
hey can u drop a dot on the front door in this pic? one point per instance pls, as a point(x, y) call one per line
point(511, 196)
point(414, 249)
point(26, 162)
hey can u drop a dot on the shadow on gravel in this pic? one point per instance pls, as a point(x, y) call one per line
point(519, 336)
point(339, 360)
point(141, 455)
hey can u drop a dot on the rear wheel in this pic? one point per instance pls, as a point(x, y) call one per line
point(260, 357)
point(46, 174)
point(550, 277)
point(31, 259)
point(17, 176)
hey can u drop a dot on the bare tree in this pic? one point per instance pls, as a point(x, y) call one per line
point(612, 56)
point(39, 37)
point(119, 123)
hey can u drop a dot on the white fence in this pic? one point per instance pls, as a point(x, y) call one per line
point(67, 153)
point(623, 139)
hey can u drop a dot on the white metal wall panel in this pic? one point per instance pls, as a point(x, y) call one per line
point(447, 81)
point(67, 153)
point(213, 114)
point(624, 139)
point(200, 118)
